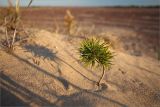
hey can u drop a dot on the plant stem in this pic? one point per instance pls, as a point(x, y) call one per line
point(6, 33)
point(15, 31)
point(7, 37)
point(30, 3)
point(101, 76)
point(17, 6)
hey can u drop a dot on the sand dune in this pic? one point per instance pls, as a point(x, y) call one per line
point(45, 70)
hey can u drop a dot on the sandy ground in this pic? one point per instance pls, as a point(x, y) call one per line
point(45, 70)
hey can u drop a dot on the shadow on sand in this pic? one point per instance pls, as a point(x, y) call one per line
point(41, 51)
point(76, 99)
point(9, 86)
point(9, 99)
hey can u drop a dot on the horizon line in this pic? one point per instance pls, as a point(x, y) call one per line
point(89, 6)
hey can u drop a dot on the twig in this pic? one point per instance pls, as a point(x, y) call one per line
point(14, 35)
point(6, 32)
point(30, 3)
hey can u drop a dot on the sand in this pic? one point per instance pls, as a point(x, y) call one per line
point(45, 70)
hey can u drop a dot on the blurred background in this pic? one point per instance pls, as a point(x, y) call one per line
point(87, 2)
point(134, 24)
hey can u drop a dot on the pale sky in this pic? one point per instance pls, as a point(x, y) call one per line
point(86, 2)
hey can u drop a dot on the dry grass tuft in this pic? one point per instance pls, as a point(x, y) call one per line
point(12, 24)
point(69, 21)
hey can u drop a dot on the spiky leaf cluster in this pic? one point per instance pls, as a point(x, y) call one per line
point(96, 52)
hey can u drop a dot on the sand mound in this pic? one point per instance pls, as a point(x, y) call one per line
point(45, 70)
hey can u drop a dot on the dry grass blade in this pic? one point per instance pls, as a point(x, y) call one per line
point(10, 3)
point(5, 21)
point(14, 35)
point(30, 3)
point(17, 7)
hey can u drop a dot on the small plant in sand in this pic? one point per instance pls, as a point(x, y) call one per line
point(69, 21)
point(96, 52)
point(12, 24)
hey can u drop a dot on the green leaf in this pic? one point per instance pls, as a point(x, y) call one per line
point(95, 52)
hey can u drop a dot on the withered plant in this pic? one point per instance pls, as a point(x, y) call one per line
point(69, 21)
point(12, 24)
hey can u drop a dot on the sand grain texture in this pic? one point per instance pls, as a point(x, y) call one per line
point(46, 71)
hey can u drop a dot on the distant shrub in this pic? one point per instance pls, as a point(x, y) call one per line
point(95, 52)
point(69, 21)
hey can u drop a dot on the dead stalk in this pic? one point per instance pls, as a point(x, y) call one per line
point(30, 3)
point(17, 6)
point(15, 31)
point(56, 26)
point(7, 37)
point(5, 21)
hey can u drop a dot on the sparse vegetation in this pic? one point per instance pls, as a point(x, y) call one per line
point(96, 52)
point(69, 21)
point(11, 21)
point(43, 67)
point(12, 24)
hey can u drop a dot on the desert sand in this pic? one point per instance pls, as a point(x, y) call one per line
point(44, 70)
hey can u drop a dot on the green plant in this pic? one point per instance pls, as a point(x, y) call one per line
point(95, 52)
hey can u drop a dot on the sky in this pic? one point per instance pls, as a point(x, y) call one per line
point(86, 2)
